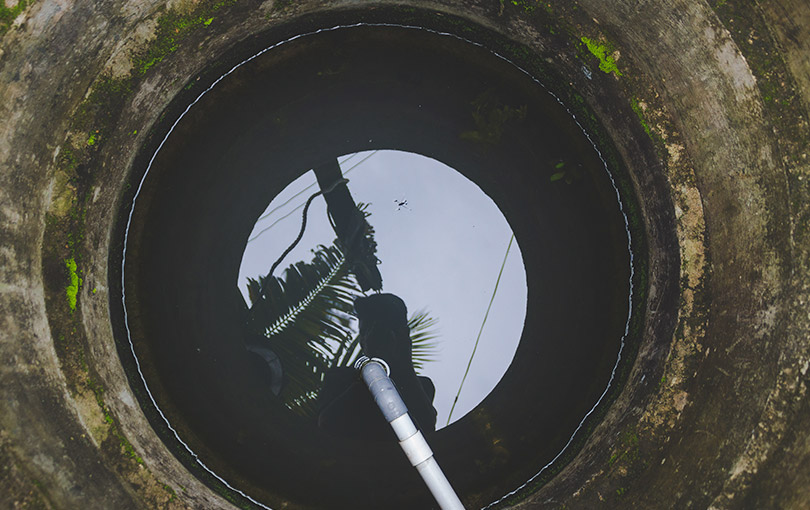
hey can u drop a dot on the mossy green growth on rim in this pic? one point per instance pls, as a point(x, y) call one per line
point(172, 27)
point(72, 290)
point(9, 14)
point(603, 52)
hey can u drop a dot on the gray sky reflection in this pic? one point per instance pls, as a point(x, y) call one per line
point(441, 251)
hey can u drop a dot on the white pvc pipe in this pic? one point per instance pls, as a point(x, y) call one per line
point(375, 374)
point(439, 486)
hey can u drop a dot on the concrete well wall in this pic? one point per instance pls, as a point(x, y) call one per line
point(706, 102)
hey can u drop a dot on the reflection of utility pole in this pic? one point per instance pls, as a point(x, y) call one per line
point(355, 238)
point(353, 231)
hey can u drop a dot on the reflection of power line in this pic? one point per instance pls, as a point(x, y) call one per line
point(486, 315)
point(265, 229)
point(349, 158)
point(268, 213)
point(265, 215)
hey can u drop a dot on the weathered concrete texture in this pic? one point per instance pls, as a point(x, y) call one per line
point(713, 416)
point(736, 375)
point(40, 424)
point(48, 61)
point(788, 21)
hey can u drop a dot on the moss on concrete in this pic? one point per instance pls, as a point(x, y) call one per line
point(638, 108)
point(173, 26)
point(72, 289)
point(604, 51)
point(527, 6)
point(9, 14)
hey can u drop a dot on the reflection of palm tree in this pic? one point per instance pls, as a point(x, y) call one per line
point(307, 320)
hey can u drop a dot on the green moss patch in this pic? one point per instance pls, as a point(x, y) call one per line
point(528, 6)
point(72, 290)
point(172, 27)
point(634, 104)
point(9, 14)
point(604, 52)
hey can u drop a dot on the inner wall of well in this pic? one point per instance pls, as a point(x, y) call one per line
point(185, 224)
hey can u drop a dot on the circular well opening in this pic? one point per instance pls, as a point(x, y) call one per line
point(443, 246)
point(341, 92)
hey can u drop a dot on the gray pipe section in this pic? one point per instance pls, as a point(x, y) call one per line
point(375, 374)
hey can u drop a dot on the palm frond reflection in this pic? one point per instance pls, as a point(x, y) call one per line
point(307, 319)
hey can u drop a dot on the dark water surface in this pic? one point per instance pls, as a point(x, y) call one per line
point(346, 91)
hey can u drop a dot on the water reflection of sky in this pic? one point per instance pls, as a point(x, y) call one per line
point(441, 242)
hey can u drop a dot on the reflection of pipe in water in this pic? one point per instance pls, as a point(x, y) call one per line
point(273, 363)
point(375, 374)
